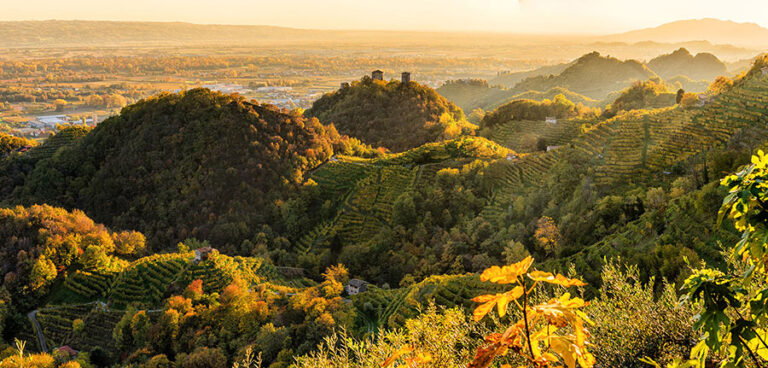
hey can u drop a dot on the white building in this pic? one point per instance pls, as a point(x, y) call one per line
point(551, 120)
point(356, 286)
point(50, 121)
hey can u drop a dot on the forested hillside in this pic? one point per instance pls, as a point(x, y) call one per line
point(701, 66)
point(394, 115)
point(160, 167)
point(591, 75)
point(477, 94)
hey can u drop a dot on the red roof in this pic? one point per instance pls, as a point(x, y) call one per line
point(68, 350)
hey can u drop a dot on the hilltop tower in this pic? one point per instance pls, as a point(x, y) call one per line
point(344, 85)
point(377, 75)
point(405, 78)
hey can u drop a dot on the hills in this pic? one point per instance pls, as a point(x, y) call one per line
point(395, 115)
point(285, 199)
point(159, 167)
point(713, 30)
point(592, 80)
point(592, 75)
point(681, 63)
point(470, 94)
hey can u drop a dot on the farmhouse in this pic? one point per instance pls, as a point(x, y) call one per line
point(356, 286)
point(202, 254)
point(551, 120)
point(552, 148)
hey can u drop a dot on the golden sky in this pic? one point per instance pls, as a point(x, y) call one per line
point(525, 16)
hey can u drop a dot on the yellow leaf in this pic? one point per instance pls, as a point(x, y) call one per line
point(507, 297)
point(555, 279)
point(507, 274)
point(562, 347)
point(396, 355)
point(488, 302)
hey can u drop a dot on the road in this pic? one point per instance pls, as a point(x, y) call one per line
point(38, 330)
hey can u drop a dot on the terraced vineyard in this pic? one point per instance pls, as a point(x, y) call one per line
point(366, 189)
point(639, 142)
point(60, 139)
point(515, 133)
point(89, 285)
point(98, 327)
point(146, 280)
point(390, 308)
point(98, 323)
point(57, 322)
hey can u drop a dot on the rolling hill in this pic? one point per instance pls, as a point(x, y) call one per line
point(395, 115)
point(592, 75)
point(476, 93)
point(681, 63)
point(168, 148)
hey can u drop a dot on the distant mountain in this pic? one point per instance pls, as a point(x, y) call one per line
point(470, 94)
point(509, 79)
point(592, 75)
point(713, 30)
point(391, 114)
point(681, 62)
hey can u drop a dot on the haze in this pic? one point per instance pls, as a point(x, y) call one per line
point(528, 16)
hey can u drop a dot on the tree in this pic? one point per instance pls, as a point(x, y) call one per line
point(60, 104)
point(547, 235)
point(204, 358)
point(43, 271)
point(680, 94)
point(734, 302)
point(78, 326)
point(689, 100)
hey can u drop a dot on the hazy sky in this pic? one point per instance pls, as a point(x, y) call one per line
point(529, 16)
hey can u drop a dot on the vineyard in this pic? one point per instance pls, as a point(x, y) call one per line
point(524, 135)
point(632, 144)
point(145, 281)
point(390, 308)
point(98, 323)
point(60, 139)
point(365, 190)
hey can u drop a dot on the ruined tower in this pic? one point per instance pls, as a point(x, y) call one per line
point(377, 75)
point(405, 77)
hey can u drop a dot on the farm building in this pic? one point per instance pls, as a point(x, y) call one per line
point(356, 286)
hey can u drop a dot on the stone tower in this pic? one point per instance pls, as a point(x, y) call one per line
point(377, 75)
point(406, 77)
point(344, 85)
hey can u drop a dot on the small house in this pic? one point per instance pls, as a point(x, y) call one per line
point(551, 120)
point(356, 286)
point(552, 148)
point(68, 349)
point(202, 254)
point(344, 85)
point(511, 156)
point(377, 75)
